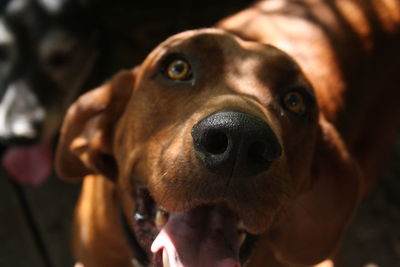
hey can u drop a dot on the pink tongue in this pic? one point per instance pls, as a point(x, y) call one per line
point(205, 236)
point(30, 164)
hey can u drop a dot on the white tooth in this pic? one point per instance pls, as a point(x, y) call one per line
point(135, 263)
point(161, 219)
point(165, 258)
point(242, 238)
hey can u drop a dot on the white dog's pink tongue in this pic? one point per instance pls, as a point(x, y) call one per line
point(204, 236)
point(29, 164)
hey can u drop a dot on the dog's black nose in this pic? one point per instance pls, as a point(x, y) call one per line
point(235, 143)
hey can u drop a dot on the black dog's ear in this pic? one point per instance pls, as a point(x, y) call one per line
point(314, 224)
point(85, 144)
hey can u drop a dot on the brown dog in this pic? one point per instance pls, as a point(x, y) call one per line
point(218, 151)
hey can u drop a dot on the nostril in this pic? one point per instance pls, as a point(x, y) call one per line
point(261, 152)
point(257, 152)
point(215, 142)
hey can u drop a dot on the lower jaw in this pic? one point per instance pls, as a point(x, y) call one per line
point(150, 218)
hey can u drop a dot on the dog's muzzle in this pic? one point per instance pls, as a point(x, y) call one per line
point(21, 115)
point(235, 144)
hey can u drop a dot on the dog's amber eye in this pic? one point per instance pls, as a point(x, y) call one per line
point(178, 70)
point(294, 102)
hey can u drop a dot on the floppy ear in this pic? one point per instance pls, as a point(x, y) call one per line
point(85, 144)
point(314, 224)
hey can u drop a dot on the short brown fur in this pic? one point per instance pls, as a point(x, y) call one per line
point(135, 129)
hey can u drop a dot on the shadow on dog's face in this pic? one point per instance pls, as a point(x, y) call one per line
point(46, 53)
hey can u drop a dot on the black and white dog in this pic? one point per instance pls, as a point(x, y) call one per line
point(47, 51)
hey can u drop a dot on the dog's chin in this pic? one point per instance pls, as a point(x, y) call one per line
point(204, 235)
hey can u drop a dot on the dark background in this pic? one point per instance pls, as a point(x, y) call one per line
point(374, 236)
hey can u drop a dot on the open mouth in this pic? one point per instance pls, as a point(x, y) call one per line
point(207, 235)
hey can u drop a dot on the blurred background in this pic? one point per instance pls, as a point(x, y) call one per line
point(51, 51)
